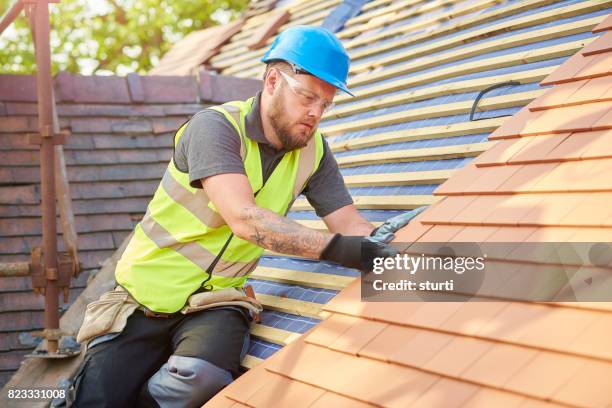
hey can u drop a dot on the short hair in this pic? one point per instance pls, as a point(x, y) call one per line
point(278, 64)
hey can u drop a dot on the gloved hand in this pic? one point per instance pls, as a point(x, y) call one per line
point(386, 232)
point(356, 252)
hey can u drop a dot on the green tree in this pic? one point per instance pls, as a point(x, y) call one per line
point(111, 36)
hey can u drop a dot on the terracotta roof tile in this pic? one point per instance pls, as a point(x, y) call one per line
point(268, 29)
point(601, 44)
point(589, 386)
point(557, 328)
point(470, 317)
point(477, 210)
point(498, 365)
point(594, 338)
point(527, 177)
point(414, 231)
point(568, 71)
point(514, 126)
point(458, 355)
point(330, 399)
point(419, 348)
point(457, 185)
point(575, 119)
point(501, 152)
point(552, 234)
point(432, 314)
point(537, 148)
point(387, 342)
point(491, 178)
point(487, 397)
point(549, 209)
point(600, 146)
point(565, 175)
point(606, 24)
point(358, 335)
point(598, 65)
point(250, 383)
point(557, 95)
point(594, 210)
point(594, 90)
point(509, 210)
point(577, 144)
point(330, 329)
point(509, 324)
point(280, 391)
point(545, 374)
point(446, 209)
point(604, 122)
point(474, 234)
point(222, 401)
point(440, 233)
point(364, 379)
point(446, 393)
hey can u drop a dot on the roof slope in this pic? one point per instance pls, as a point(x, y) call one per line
point(121, 142)
point(545, 178)
point(416, 74)
point(417, 68)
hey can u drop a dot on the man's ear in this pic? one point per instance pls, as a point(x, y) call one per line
point(271, 81)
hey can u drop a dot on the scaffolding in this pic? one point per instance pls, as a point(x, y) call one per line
point(51, 271)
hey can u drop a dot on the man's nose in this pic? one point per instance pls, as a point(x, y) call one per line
point(315, 111)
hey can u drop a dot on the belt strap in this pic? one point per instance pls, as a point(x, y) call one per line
point(150, 313)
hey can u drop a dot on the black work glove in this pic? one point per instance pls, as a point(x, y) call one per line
point(356, 252)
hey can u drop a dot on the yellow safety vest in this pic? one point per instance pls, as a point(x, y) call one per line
point(182, 233)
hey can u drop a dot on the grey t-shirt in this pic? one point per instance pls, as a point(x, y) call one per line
point(210, 145)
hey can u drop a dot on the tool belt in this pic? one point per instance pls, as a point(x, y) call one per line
point(109, 314)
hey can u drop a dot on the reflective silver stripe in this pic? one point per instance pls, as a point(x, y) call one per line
point(196, 203)
point(305, 168)
point(193, 251)
point(234, 112)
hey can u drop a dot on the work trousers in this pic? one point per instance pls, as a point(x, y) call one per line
point(115, 373)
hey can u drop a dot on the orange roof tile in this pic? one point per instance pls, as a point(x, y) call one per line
point(606, 24)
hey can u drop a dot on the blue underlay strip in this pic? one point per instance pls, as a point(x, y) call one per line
point(306, 265)
point(415, 124)
point(307, 294)
point(407, 166)
point(343, 12)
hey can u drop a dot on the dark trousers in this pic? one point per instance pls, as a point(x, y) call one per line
point(113, 373)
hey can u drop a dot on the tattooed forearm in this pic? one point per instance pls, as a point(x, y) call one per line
point(279, 234)
point(257, 237)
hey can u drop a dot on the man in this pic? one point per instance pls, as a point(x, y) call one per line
point(236, 170)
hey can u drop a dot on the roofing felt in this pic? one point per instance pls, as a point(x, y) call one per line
point(417, 68)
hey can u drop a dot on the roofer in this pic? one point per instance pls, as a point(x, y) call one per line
point(175, 329)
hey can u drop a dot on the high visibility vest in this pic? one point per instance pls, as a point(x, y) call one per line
point(182, 232)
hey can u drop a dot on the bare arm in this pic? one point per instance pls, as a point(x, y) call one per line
point(348, 221)
point(232, 195)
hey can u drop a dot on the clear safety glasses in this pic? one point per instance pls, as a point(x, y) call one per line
point(306, 97)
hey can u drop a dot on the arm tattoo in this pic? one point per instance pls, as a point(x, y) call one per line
point(280, 234)
point(257, 237)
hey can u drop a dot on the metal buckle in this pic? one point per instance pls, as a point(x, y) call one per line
point(150, 313)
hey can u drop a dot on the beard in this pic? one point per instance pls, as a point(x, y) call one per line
point(290, 140)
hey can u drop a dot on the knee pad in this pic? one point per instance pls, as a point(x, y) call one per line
point(186, 382)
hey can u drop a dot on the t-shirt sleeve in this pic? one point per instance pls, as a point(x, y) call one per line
point(208, 146)
point(326, 190)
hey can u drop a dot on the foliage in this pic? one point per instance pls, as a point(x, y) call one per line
point(111, 36)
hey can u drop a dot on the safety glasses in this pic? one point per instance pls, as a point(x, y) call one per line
point(307, 98)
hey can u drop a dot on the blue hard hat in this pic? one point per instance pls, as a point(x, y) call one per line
point(315, 50)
